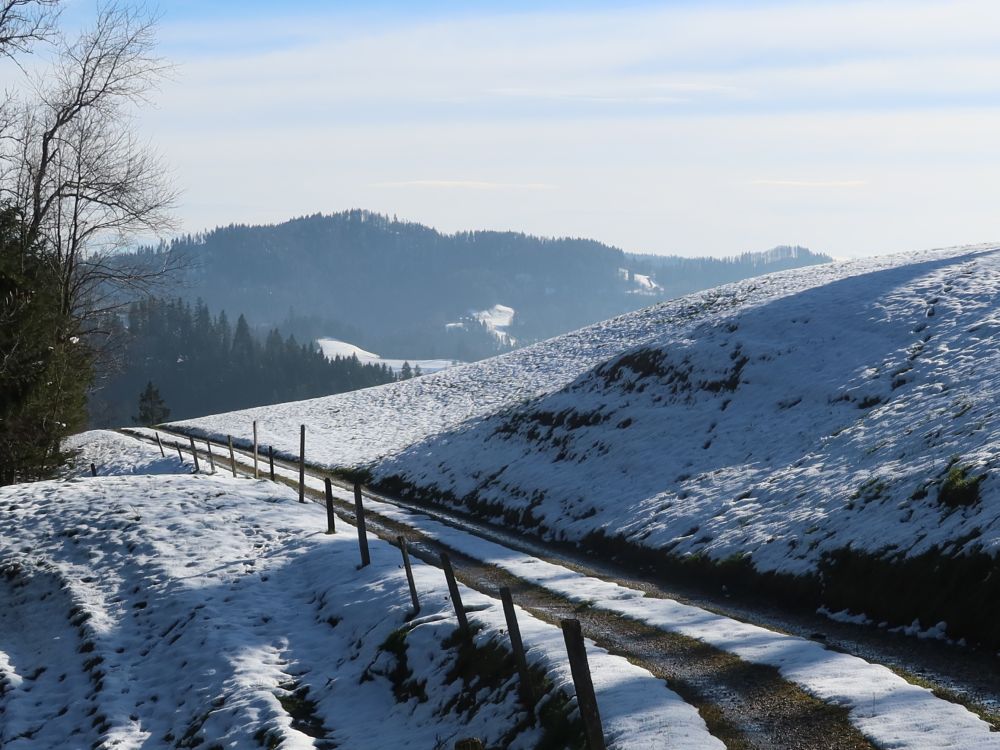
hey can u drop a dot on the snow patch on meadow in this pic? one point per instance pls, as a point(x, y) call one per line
point(332, 348)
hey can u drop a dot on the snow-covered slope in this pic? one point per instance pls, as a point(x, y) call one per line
point(362, 427)
point(181, 611)
point(112, 453)
point(774, 429)
point(840, 420)
point(836, 423)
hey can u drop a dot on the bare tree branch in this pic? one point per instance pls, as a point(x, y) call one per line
point(25, 22)
point(73, 166)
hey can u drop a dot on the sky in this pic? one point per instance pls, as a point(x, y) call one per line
point(696, 128)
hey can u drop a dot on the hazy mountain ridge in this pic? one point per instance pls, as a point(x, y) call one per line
point(394, 287)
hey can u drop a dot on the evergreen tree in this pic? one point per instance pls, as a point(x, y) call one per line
point(152, 408)
point(44, 367)
point(405, 372)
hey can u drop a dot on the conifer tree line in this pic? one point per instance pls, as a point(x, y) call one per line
point(199, 363)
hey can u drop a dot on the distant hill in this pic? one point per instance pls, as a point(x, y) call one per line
point(408, 291)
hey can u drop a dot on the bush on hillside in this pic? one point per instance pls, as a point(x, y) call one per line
point(959, 489)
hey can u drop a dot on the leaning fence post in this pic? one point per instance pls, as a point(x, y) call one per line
point(517, 646)
point(211, 458)
point(179, 454)
point(359, 517)
point(158, 443)
point(331, 524)
point(302, 463)
point(194, 454)
point(93, 470)
point(584, 685)
point(255, 473)
point(409, 574)
point(232, 455)
point(270, 460)
point(456, 597)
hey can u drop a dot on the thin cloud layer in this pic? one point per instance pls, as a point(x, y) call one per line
point(465, 185)
point(655, 121)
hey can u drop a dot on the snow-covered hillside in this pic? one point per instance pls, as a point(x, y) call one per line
point(855, 418)
point(498, 319)
point(361, 427)
point(172, 610)
point(836, 422)
point(772, 430)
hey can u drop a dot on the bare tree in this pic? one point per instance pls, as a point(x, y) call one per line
point(76, 186)
point(82, 181)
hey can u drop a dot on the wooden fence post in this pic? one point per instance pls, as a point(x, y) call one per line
point(331, 524)
point(159, 444)
point(409, 574)
point(270, 460)
point(255, 473)
point(232, 456)
point(211, 458)
point(302, 463)
point(93, 470)
point(359, 518)
point(179, 454)
point(456, 597)
point(517, 646)
point(194, 455)
point(584, 685)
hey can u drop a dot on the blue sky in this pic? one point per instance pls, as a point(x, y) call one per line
point(699, 128)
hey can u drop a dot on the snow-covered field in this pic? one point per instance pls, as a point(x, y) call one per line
point(497, 317)
point(151, 610)
point(335, 348)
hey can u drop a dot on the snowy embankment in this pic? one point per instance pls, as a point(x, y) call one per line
point(777, 431)
point(887, 709)
point(172, 610)
point(835, 423)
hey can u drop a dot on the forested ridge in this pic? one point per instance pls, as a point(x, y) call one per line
point(405, 290)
